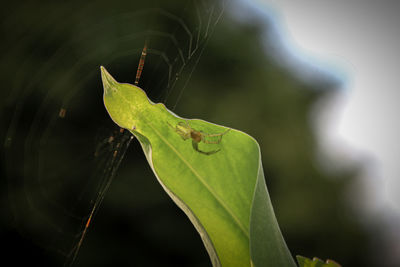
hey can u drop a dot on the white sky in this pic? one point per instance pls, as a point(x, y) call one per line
point(359, 42)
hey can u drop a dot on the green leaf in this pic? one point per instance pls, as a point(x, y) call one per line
point(223, 193)
point(315, 262)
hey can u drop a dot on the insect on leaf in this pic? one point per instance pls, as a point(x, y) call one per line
point(213, 173)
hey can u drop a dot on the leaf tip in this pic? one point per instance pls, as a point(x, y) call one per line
point(108, 81)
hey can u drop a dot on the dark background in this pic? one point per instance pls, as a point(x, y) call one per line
point(55, 167)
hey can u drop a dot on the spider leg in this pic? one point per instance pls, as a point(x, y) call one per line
point(212, 142)
point(219, 134)
point(196, 147)
point(214, 135)
point(171, 126)
point(187, 124)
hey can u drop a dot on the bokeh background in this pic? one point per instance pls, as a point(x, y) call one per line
point(222, 61)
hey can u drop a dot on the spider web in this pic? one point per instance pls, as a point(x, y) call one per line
point(61, 150)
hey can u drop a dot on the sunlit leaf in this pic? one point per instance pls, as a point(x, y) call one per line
point(215, 176)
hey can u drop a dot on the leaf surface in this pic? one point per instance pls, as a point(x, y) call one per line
point(223, 194)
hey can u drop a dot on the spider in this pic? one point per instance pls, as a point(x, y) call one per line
point(186, 132)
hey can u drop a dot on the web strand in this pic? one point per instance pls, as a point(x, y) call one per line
point(53, 133)
point(117, 157)
point(141, 63)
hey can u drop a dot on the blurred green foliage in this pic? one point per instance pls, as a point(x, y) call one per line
point(51, 53)
point(315, 262)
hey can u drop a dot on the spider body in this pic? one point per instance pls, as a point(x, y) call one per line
point(196, 136)
point(186, 132)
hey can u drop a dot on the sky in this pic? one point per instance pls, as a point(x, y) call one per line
point(358, 42)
